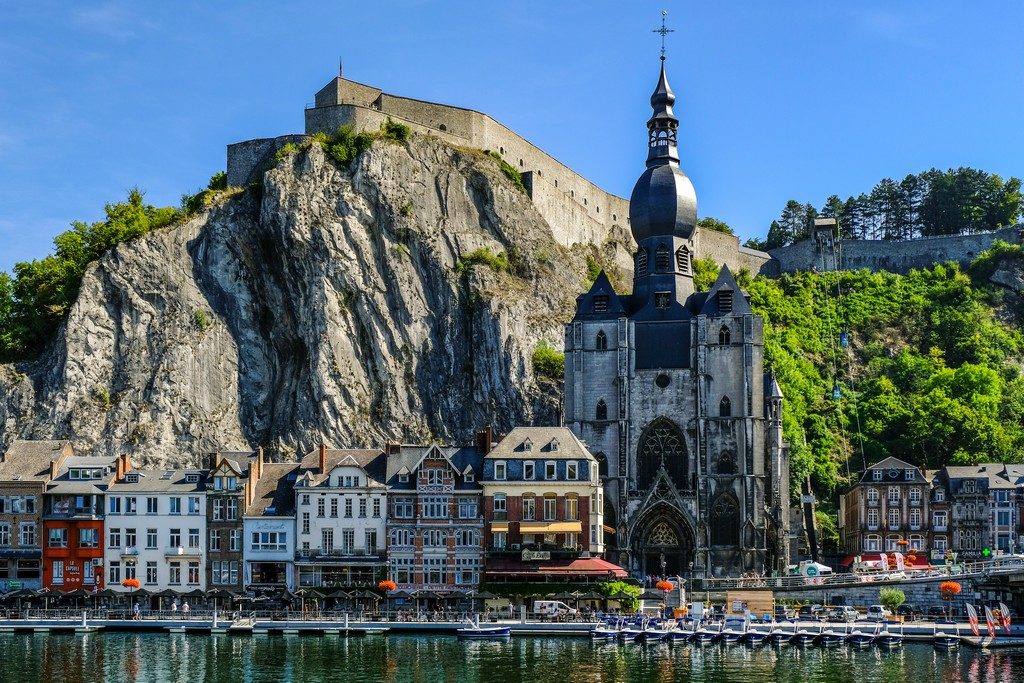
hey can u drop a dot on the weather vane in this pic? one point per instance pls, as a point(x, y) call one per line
point(664, 31)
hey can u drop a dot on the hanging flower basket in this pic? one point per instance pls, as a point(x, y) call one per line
point(387, 585)
point(903, 541)
point(664, 586)
point(131, 583)
point(949, 589)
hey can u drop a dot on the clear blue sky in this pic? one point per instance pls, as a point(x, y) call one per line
point(777, 100)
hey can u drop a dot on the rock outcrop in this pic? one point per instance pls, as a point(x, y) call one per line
point(329, 304)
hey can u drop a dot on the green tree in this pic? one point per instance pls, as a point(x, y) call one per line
point(709, 223)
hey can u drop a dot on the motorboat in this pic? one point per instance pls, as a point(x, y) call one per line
point(484, 632)
point(780, 635)
point(733, 630)
point(889, 638)
point(707, 634)
point(859, 638)
point(829, 637)
point(630, 633)
point(756, 636)
point(604, 632)
point(804, 636)
point(945, 639)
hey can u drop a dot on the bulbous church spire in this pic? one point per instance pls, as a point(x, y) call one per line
point(663, 201)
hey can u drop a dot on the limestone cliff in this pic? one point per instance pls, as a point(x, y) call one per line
point(326, 305)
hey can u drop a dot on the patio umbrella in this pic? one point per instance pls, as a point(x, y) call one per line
point(485, 595)
point(591, 595)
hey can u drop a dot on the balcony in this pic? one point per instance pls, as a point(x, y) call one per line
point(940, 527)
point(871, 527)
point(872, 503)
point(176, 550)
point(129, 551)
point(914, 527)
point(340, 555)
point(915, 503)
point(893, 527)
point(89, 512)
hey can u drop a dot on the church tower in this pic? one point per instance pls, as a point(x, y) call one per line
point(667, 387)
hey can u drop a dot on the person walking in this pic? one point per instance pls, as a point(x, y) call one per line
point(184, 609)
point(174, 606)
point(136, 612)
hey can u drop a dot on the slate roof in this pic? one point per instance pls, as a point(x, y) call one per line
point(155, 481)
point(601, 287)
point(725, 282)
point(30, 460)
point(512, 446)
point(371, 460)
point(409, 456)
point(275, 491)
point(892, 463)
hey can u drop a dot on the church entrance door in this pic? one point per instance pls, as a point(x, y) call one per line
point(665, 546)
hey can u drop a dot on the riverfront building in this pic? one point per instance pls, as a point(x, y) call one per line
point(227, 486)
point(341, 506)
point(269, 528)
point(156, 530)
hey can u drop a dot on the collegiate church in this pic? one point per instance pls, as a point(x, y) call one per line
point(668, 388)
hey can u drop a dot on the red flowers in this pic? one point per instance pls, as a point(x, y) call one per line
point(664, 585)
point(131, 583)
point(949, 589)
point(387, 585)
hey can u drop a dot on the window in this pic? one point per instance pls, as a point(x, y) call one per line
point(892, 543)
point(89, 538)
point(193, 538)
point(175, 506)
point(30, 504)
point(321, 509)
point(114, 573)
point(362, 507)
point(572, 507)
point(725, 407)
point(872, 496)
point(174, 577)
point(305, 499)
point(683, 260)
point(218, 509)
point(467, 570)
point(528, 470)
point(572, 470)
point(724, 335)
point(232, 509)
point(940, 495)
point(916, 542)
point(465, 538)
point(968, 487)
point(939, 520)
point(873, 518)
point(151, 539)
point(435, 507)
point(661, 259)
point(528, 507)
point(114, 538)
point(151, 575)
point(550, 507)
point(130, 539)
point(662, 300)
point(215, 540)
point(151, 505)
point(500, 540)
point(270, 540)
point(939, 543)
point(370, 541)
point(550, 470)
point(467, 508)
point(401, 537)
point(403, 508)
point(433, 570)
point(909, 474)
point(572, 540)
point(348, 507)
point(894, 518)
point(1002, 518)
point(600, 303)
point(433, 477)
point(28, 534)
point(130, 505)
point(403, 478)
point(327, 540)
point(434, 538)
point(602, 341)
point(58, 572)
point(225, 573)
point(724, 300)
point(915, 518)
point(305, 522)
point(725, 521)
point(500, 512)
point(641, 261)
point(376, 507)
point(894, 495)
point(876, 475)
point(175, 538)
point(873, 542)
point(115, 505)
point(334, 507)
point(915, 496)
point(469, 477)
point(236, 540)
point(5, 534)
point(726, 462)
point(499, 470)
point(602, 410)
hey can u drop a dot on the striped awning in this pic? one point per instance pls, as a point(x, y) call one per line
point(550, 527)
point(499, 526)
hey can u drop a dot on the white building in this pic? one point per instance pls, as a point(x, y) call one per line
point(269, 529)
point(156, 530)
point(340, 511)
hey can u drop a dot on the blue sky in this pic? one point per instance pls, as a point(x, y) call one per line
point(777, 100)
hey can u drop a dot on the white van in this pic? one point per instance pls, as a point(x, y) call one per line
point(878, 613)
point(552, 608)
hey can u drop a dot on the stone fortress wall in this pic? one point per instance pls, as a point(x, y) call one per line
point(577, 210)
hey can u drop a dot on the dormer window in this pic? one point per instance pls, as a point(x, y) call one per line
point(641, 262)
point(724, 298)
point(132, 478)
point(527, 445)
point(876, 475)
point(661, 260)
point(553, 445)
point(403, 478)
point(909, 475)
point(469, 477)
point(192, 478)
point(601, 303)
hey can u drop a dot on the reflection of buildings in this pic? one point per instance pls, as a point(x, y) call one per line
point(341, 504)
point(667, 387)
point(24, 471)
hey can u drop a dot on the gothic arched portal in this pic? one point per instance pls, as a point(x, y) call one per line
point(663, 543)
point(662, 444)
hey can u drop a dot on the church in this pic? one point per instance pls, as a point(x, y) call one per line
point(668, 388)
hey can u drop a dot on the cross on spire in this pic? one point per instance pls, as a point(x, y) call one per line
point(664, 31)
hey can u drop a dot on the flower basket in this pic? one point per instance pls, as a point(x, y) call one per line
point(664, 586)
point(387, 585)
point(131, 583)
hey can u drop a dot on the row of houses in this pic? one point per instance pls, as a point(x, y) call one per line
point(527, 508)
point(970, 511)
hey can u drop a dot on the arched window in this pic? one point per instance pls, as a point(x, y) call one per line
point(724, 335)
point(725, 407)
point(725, 521)
point(661, 258)
point(662, 445)
point(602, 410)
point(602, 341)
point(727, 462)
point(641, 261)
point(683, 260)
point(602, 465)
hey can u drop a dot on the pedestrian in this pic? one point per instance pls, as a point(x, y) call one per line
point(184, 609)
point(135, 612)
point(174, 605)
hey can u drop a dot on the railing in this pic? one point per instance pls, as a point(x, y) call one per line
point(129, 551)
point(939, 527)
point(182, 550)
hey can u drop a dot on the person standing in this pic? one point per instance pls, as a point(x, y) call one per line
point(184, 609)
point(174, 605)
point(135, 612)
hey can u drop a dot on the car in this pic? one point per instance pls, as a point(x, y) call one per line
point(811, 612)
point(782, 612)
point(878, 613)
point(907, 612)
point(935, 613)
point(844, 613)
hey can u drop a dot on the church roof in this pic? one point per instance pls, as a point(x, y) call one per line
point(601, 302)
point(774, 390)
point(724, 304)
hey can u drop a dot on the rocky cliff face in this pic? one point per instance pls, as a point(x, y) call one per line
point(327, 306)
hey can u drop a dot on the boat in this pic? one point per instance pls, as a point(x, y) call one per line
point(677, 634)
point(654, 632)
point(630, 633)
point(945, 639)
point(755, 636)
point(484, 632)
point(604, 632)
point(888, 638)
point(858, 638)
point(830, 637)
point(804, 636)
point(780, 636)
point(733, 630)
point(706, 634)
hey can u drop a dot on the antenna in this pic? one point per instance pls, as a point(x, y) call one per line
point(664, 31)
point(339, 68)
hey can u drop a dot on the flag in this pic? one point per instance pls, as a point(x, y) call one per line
point(972, 618)
point(990, 622)
point(899, 561)
point(1004, 616)
point(884, 560)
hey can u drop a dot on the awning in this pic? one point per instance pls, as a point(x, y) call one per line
point(550, 527)
point(499, 526)
point(607, 529)
point(589, 567)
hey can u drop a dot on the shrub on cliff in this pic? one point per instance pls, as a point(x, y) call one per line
point(547, 362)
point(511, 173)
point(499, 262)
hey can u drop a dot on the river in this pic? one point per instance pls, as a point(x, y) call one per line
point(275, 659)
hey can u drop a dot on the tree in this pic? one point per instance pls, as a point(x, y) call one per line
point(792, 222)
point(709, 223)
point(891, 598)
point(776, 236)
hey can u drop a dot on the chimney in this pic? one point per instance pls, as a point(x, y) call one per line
point(215, 460)
point(323, 458)
point(119, 473)
point(483, 440)
point(393, 449)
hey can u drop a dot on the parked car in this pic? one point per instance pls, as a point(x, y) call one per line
point(878, 613)
point(782, 612)
point(844, 613)
point(935, 613)
point(811, 612)
point(907, 611)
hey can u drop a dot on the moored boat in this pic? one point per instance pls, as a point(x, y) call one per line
point(484, 632)
point(830, 637)
point(755, 636)
point(781, 636)
point(706, 634)
point(945, 639)
point(733, 630)
point(889, 638)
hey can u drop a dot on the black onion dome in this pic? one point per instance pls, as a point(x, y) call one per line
point(663, 200)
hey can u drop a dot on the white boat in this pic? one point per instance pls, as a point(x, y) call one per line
point(604, 632)
point(756, 636)
point(707, 634)
point(858, 638)
point(781, 636)
point(677, 634)
point(804, 636)
point(945, 639)
point(484, 632)
point(830, 637)
point(888, 638)
point(733, 630)
point(630, 633)
point(655, 633)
